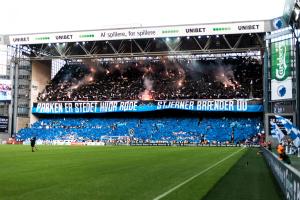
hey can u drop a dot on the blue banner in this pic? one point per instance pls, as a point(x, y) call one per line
point(218, 105)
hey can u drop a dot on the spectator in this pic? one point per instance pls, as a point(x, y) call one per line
point(150, 129)
point(172, 79)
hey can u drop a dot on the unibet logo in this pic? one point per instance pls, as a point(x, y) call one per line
point(21, 39)
point(63, 37)
point(281, 65)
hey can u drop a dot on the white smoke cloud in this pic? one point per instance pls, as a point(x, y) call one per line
point(148, 85)
point(225, 75)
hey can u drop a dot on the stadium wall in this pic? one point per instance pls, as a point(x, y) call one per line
point(3, 138)
point(287, 177)
point(41, 75)
point(22, 122)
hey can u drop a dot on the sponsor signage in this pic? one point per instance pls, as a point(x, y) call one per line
point(5, 90)
point(248, 27)
point(22, 39)
point(281, 78)
point(139, 33)
point(229, 105)
point(3, 124)
point(195, 30)
point(64, 37)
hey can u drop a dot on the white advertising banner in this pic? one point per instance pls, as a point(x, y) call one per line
point(281, 78)
point(139, 33)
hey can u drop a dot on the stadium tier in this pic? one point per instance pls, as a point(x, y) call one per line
point(163, 79)
point(144, 130)
point(94, 84)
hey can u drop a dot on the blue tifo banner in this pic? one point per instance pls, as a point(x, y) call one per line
point(76, 107)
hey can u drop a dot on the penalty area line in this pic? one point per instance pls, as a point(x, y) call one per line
point(196, 175)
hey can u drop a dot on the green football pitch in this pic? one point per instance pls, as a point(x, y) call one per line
point(68, 172)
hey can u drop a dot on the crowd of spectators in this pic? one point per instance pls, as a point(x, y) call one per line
point(145, 130)
point(226, 78)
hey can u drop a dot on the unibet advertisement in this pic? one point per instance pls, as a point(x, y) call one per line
point(281, 78)
point(141, 33)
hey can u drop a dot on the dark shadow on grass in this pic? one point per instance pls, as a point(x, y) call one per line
point(250, 178)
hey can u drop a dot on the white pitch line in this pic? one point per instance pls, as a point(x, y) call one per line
point(191, 178)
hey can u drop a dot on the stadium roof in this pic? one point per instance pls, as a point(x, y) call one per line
point(32, 16)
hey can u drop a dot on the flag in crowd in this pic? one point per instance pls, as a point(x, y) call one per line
point(292, 131)
point(276, 131)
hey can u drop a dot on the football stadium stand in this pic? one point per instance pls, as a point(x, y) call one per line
point(145, 130)
point(163, 79)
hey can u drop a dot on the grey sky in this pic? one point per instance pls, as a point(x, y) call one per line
point(37, 16)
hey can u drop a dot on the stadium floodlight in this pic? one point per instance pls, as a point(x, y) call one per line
point(188, 37)
point(49, 44)
point(217, 36)
point(207, 36)
point(83, 43)
point(199, 36)
point(167, 39)
point(77, 43)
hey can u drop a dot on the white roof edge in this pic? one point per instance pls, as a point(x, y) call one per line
point(136, 27)
point(143, 32)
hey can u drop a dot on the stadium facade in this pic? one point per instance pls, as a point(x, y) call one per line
point(34, 63)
